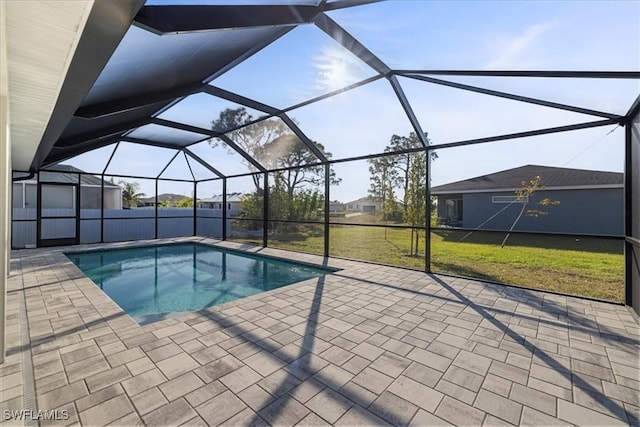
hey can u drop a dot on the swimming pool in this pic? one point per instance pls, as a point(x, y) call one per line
point(148, 283)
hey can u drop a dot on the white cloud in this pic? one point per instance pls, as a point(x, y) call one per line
point(516, 52)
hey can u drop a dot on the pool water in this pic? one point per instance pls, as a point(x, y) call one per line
point(150, 282)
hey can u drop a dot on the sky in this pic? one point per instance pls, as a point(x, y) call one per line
point(478, 35)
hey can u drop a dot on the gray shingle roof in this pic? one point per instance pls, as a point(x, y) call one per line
point(61, 174)
point(549, 177)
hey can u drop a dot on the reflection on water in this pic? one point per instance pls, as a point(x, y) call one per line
point(150, 282)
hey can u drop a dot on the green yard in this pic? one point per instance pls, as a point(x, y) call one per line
point(585, 266)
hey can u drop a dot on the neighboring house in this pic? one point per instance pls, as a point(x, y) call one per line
point(336, 206)
point(364, 204)
point(171, 198)
point(590, 202)
point(234, 203)
point(64, 197)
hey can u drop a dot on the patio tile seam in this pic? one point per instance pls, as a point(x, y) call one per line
point(28, 381)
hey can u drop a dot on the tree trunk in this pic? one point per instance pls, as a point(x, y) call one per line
point(411, 250)
point(513, 225)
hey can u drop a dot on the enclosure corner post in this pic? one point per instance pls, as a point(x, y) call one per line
point(265, 210)
point(224, 208)
point(327, 205)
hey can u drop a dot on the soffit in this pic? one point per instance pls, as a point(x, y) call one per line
point(41, 39)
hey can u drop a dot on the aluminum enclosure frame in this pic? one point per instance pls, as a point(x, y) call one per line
point(150, 17)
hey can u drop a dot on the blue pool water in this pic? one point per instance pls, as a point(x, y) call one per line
point(149, 282)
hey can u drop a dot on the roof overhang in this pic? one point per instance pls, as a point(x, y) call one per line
point(56, 50)
point(511, 190)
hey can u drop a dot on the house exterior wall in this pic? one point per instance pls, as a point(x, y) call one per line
point(336, 207)
point(5, 175)
point(588, 211)
point(234, 208)
point(365, 204)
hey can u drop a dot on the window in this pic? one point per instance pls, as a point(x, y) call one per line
point(509, 199)
point(454, 211)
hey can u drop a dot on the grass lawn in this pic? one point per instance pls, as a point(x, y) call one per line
point(585, 266)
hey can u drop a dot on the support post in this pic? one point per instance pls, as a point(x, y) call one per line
point(78, 189)
point(427, 236)
point(265, 210)
point(156, 210)
point(102, 208)
point(632, 207)
point(327, 204)
point(195, 208)
point(224, 208)
point(628, 185)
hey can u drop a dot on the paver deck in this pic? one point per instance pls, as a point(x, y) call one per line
point(367, 345)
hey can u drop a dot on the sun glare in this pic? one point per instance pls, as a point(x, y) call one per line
point(334, 69)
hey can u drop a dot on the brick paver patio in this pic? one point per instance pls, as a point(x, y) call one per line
point(367, 345)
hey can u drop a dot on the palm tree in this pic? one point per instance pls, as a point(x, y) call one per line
point(130, 193)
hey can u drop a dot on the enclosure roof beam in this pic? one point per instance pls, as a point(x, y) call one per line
point(305, 140)
point(150, 143)
point(102, 133)
point(167, 165)
point(240, 151)
point(529, 73)
point(333, 93)
point(586, 125)
point(635, 107)
point(341, 4)
point(196, 18)
point(239, 99)
point(183, 126)
point(186, 159)
point(59, 154)
point(515, 97)
point(340, 35)
point(397, 88)
point(211, 133)
point(130, 103)
point(206, 165)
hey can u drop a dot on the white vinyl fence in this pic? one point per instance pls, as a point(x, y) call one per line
point(119, 224)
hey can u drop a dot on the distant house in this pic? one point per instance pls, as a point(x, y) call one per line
point(25, 193)
point(163, 199)
point(364, 204)
point(590, 202)
point(336, 206)
point(234, 203)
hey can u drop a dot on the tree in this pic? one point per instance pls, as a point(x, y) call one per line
point(415, 202)
point(395, 169)
point(130, 193)
point(185, 202)
point(522, 196)
point(391, 210)
point(166, 203)
point(383, 178)
point(272, 144)
point(288, 152)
